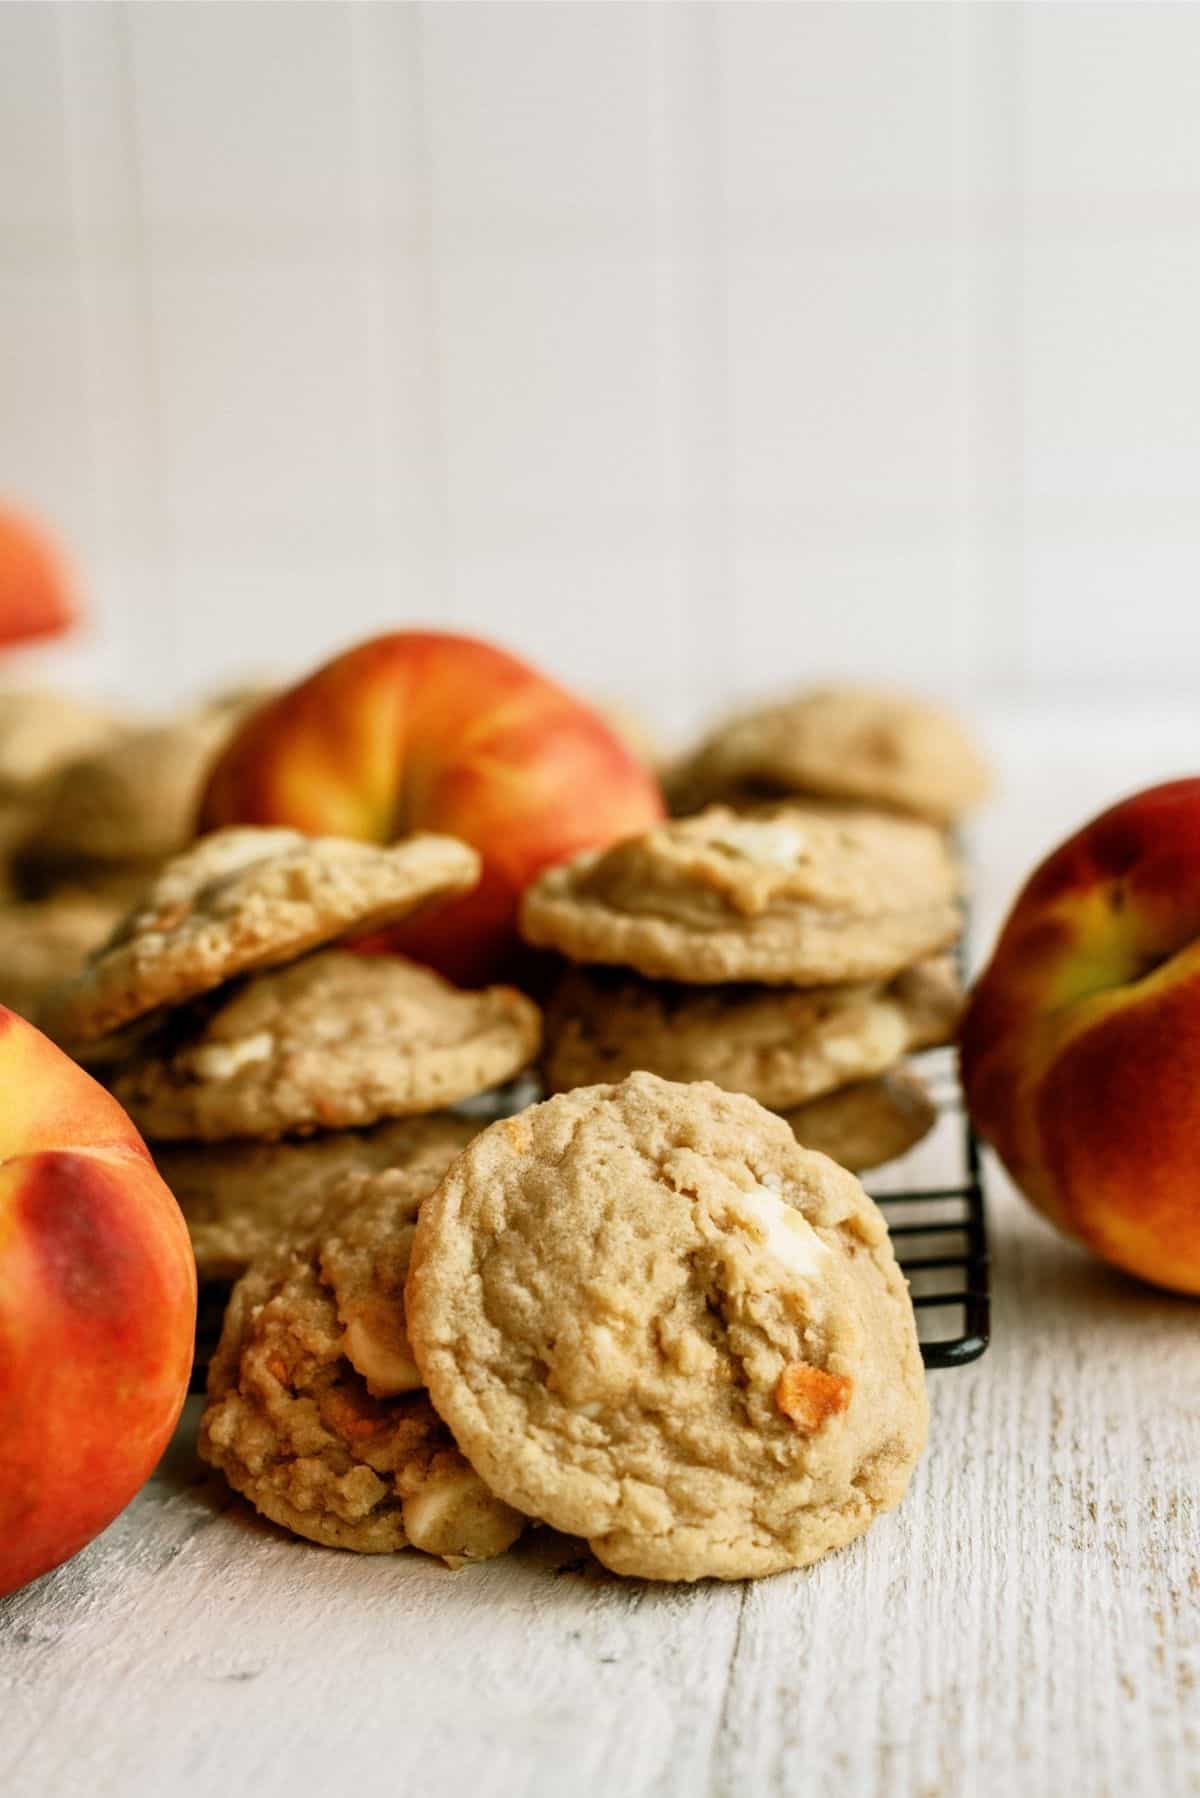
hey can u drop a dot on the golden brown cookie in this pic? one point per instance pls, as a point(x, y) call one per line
point(650, 1318)
point(41, 731)
point(864, 1125)
point(131, 801)
point(795, 896)
point(44, 942)
point(315, 1408)
point(242, 899)
point(246, 1199)
point(782, 1045)
point(853, 743)
point(333, 1042)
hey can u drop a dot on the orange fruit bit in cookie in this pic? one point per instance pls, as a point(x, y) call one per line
point(354, 1415)
point(809, 1396)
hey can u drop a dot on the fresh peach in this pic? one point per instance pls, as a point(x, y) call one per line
point(35, 595)
point(1081, 1041)
point(97, 1307)
point(423, 730)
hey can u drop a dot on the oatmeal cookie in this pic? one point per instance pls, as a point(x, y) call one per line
point(781, 1045)
point(864, 1125)
point(315, 1408)
point(796, 896)
point(334, 1041)
point(241, 1200)
point(245, 898)
point(853, 743)
point(652, 1319)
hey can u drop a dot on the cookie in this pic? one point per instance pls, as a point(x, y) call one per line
point(243, 898)
point(864, 1125)
point(44, 942)
point(41, 731)
point(796, 896)
point(853, 743)
point(245, 1199)
point(315, 1409)
point(333, 1042)
point(652, 1319)
point(782, 1045)
point(132, 800)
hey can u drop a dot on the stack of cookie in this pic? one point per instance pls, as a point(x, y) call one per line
point(641, 1313)
point(261, 1061)
point(795, 955)
point(856, 745)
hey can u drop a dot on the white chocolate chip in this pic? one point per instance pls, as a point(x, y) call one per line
point(783, 1232)
point(778, 845)
point(221, 1061)
point(455, 1516)
point(381, 1355)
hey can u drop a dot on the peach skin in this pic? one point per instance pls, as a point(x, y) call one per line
point(97, 1307)
point(1081, 1041)
point(35, 596)
point(424, 730)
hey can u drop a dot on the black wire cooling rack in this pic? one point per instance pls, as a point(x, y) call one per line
point(939, 1229)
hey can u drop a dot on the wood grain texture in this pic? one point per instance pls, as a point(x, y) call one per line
point(1029, 1621)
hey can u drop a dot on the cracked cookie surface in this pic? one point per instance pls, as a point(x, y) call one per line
point(793, 896)
point(315, 1409)
point(780, 1045)
point(241, 1200)
point(242, 899)
point(855, 743)
point(335, 1041)
point(651, 1319)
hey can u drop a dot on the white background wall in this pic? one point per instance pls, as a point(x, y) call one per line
point(683, 347)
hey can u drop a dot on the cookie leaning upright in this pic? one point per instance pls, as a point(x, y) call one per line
point(795, 895)
point(652, 1319)
point(316, 1411)
point(861, 744)
point(244, 899)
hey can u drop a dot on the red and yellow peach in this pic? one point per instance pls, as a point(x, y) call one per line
point(425, 730)
point(1081, 1041)
point(97, 1307)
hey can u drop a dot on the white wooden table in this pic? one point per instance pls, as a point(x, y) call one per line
point(1028, 1622)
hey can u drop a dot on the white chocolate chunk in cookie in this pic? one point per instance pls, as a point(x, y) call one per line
point(785, 1234)
point(221, 1061)
point(455, 1516)
point(778, 844)
point(377, 1347)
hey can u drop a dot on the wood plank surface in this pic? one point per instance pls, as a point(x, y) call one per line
point(1028, 1622)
